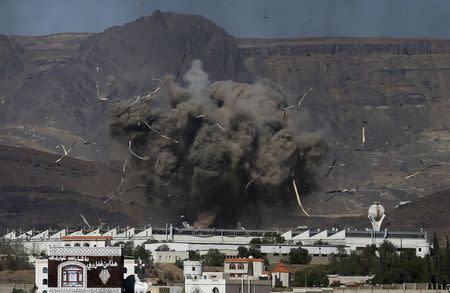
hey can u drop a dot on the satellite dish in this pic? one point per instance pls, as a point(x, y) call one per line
point(376, 215)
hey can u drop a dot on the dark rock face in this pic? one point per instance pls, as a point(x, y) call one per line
point(354, 47)
point(128, 58)
point(160, 44)
point(10, 65)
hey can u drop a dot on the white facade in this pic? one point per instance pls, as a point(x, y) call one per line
point(224, 240)
point(216, 282)
point(355, 240)
point(280, 276)
point(169, 256)
point(192, 269)
point(344, 280)
point(205, 285)
point(238, 268)
point(129, 267)
point(41, 275)
point(283, 277)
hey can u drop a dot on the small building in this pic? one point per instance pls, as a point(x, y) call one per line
point(165, 289)
point(337, 280)
point(217, 282)
point(169, 256)
point(244, 267)
point(280, 276)
point(227, 286)
point(192, 269)
point(81, 269)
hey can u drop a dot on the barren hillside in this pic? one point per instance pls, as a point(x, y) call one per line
point(400, 88)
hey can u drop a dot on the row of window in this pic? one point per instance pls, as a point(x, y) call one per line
point(370, 234)
point(45, 270)
point(233, 266)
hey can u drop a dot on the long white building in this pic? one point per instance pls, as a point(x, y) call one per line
point(317, 242)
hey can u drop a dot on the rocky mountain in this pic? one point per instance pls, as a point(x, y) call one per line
point(398, 89)
point(55, 76)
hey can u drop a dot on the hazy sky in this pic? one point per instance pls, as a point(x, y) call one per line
point(241, 18)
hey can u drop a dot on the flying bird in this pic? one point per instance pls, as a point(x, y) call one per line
point(66, 152)
point(85, 221)
point(136, 155)
point(298, 198)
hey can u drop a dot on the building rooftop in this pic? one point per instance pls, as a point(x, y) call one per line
point(85, 251)
point(280, 268)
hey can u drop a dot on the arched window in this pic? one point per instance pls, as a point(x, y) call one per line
point(215, 290)
point(44, 282)
point(77, 244)
point(45, 291)
point(232, 266)
point(240, 266)
point(45, 270)
point(72, 276)
point(86, 245)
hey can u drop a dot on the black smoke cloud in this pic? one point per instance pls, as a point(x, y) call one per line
point(227, 133)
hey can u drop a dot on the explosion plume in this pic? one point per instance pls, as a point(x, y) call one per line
point(226, 134)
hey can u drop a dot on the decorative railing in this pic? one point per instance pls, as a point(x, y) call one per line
point(85, 251)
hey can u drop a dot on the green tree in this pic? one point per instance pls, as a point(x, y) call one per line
point(315, 276)
point(243, 251)
point(16, 256)
point(127, 247)
point(163, 247)
point(213, 258)
point(194, 255)
point(299, 256)
point(279, 239)
point(141, 253)
point(179, 263)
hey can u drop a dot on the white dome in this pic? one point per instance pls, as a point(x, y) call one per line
point(376, 211)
